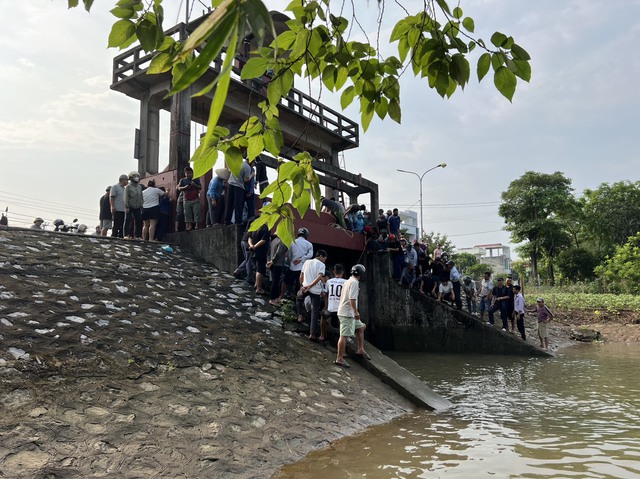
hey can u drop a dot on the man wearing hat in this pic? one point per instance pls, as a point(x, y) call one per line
point(37, 224)
point(544, 316)
point(116, 199)
point(215, 197)
point(106, 218)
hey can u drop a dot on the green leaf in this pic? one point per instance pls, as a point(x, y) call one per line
point(256, 146)
point(287, 81)
point(469, 24)
point(270, 143)
point(161, 63)
point(209, 28)
point(394, 111)
point(274, 90)
point(285, 231)
point(347, 96)
point(119, 12)
point(444, 6)
point(505, 81)
point(457, 13)
point(460, 70)
point(254, 68)
point(286, 169)
point(146, 33)
point(259, 19)
point(523, 69)
point(72, 3)
point(401, 28)
point(519, 52)
point(497, 60)
point(87, 4)
point(498, 39)
point(382, 107)
point(329, 77)
point(442, 80)
point(233, 158)
point(282, 194)
point(367, 113)
point(121, 31)
point(212, 49)
point(302, 202)
point(204, 159)
point(285, 40)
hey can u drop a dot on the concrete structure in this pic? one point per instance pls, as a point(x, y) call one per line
point(306, 123)
point(397, 318)
point(410, 223)
point(495, 254)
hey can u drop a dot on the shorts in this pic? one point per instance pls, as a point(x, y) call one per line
point(152, 213)
point(106, 224)
point(349, 325)
point(192, 211)
point(543, 330)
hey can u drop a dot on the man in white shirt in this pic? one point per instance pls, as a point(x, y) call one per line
point(349, 316)
point(486, 288)
point(311, 280)
point(518, 307)
point(299, 252)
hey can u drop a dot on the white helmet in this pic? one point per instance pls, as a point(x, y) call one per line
point(358, 270)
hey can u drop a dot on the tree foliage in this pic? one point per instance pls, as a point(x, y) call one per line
point(532, 207)
point(435, 43)
point(577, 264)
point(477, 270)
point(464, 261)
point(437, 239)
point(612, 215)
point(622, 271)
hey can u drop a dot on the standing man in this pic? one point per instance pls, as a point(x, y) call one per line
point(486, 287)
point(133, 202)
point(469, 289)
point(544, 316)
point(215, 195)
point(510, 304)
point(237, 194)
point(116, 199)
point(500, 298)
point(349, 315)
point(454, 276)
point(333, 289)
point(311, 281)
point(300, 251)
point(106, 218)
point(190, 188)
point(394, 223)
point(518, 306)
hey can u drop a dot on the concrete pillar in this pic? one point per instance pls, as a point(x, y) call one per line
point(149, 137)
point(180, 133)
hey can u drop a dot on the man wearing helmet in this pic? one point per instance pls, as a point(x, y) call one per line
point(300, 251)
point(349, 315)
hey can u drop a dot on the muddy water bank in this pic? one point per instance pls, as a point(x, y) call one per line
point(120, 360)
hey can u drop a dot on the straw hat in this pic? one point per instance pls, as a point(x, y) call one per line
point(38, 220)
point(223, 173)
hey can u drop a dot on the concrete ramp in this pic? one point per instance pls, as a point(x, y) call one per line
point(400, 379)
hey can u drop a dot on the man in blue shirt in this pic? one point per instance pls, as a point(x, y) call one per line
point(394, 223)
point(215, 195)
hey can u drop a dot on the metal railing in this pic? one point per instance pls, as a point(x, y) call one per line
point(136, 61)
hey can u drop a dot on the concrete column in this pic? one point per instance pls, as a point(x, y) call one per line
point(149, 138)
point(180, 133)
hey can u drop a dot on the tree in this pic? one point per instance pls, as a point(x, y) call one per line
point(477, 270)
point(435, 43)
point(611, 215)
point(531, 209)
point(435, 239)
point(464, 261)
point(622, 272)
point(577, 264)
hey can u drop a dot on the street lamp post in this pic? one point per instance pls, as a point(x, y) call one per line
point(441, 165)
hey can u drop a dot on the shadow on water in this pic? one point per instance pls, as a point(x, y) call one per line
point(574, 416)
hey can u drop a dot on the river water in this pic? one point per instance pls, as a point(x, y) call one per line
point(573, 416)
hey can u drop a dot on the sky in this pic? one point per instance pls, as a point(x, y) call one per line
point(65, 136)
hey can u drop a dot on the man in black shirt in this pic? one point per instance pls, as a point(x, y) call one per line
point(500, 299)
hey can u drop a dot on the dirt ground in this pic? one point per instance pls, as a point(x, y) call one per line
point(120, 360)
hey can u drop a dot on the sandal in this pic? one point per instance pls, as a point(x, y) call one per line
point(342, 365)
